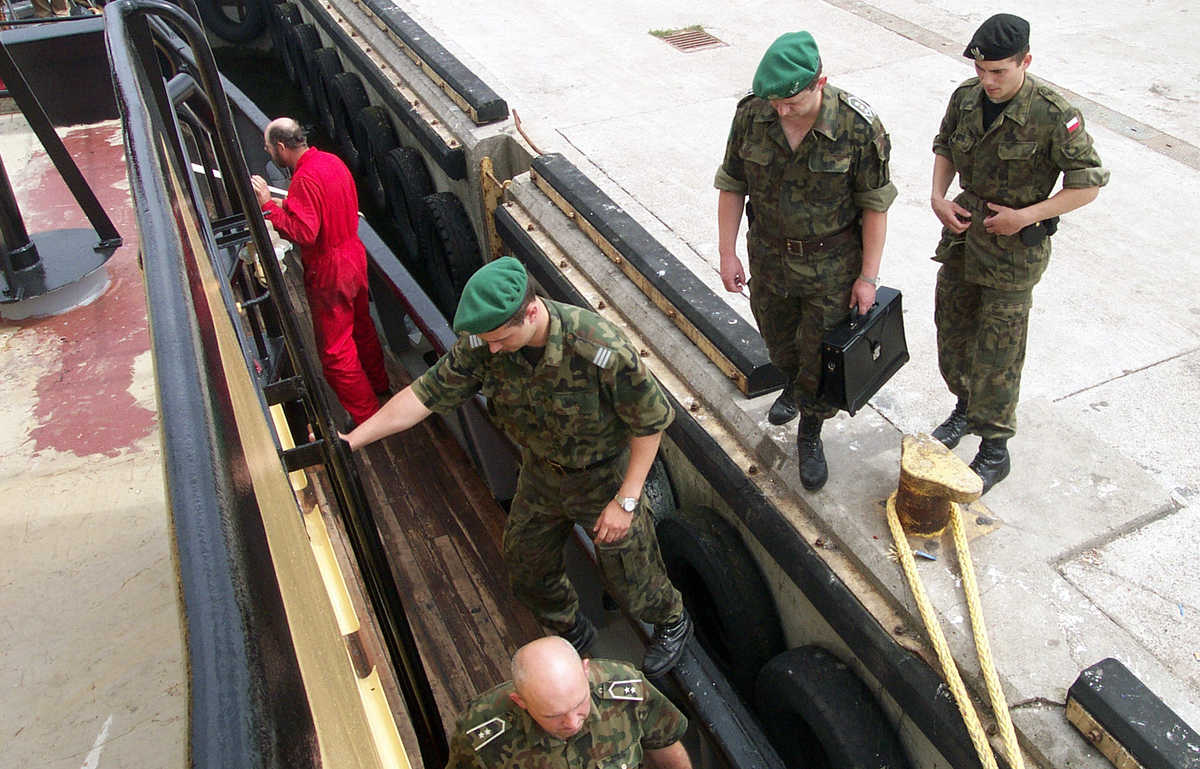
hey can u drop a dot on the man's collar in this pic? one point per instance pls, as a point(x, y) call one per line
point(536, 735)
point(1018, 106)
point(304, 156)
point(554, 335)
point(826, 122)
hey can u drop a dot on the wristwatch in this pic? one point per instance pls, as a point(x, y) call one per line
point(628, 504)
point(873, 281)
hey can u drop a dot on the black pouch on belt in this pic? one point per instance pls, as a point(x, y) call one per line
point(1039, 231)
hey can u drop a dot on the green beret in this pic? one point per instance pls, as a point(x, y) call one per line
point(788, 66)
point(1000, 37)
point(492, 295)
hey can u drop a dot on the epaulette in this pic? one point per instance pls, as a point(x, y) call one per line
point(630, 689)
point(474, 341)
point(1054, 97)
point(486, 732)
point(745, 99)
point(859, 106)
point(598, 354)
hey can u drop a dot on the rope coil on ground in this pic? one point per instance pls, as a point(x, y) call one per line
point(983, 650)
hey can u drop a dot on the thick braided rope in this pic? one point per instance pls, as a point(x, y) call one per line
point(949, 670)
point(983, 649)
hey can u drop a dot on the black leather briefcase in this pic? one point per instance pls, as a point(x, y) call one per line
point(862, 352)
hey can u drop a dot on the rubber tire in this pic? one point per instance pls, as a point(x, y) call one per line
point(325, 64)
point(303, 43)
point(244, 30)
point(284, 16)
point(407, 182)
point(449, 249)
point(375, 136)
point(819, 714)
point(659, 491)
point(346, 97)
point(724, 591)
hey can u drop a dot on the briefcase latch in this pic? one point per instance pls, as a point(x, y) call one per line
point(876, 350)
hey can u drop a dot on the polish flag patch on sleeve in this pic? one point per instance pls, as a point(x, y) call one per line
point(1073, 124)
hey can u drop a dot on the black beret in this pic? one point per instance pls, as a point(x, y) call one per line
point(999, 37)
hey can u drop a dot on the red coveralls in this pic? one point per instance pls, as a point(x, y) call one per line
point(320, 215)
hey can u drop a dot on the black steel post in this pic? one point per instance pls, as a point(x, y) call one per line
point(17, 251)
point(18, 86)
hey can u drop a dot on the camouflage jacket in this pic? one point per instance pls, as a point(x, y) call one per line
point(1015, 163)
point(628, 715)
point(581, 403)
point(839, 168)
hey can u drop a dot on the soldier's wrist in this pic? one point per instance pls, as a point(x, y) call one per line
point(873, 281)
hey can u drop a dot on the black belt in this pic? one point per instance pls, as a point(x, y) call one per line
point(813, 245)
point(572, 470)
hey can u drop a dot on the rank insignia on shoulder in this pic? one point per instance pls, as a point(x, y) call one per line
point(603, 358)
point(474, 341)
point(861, 107)
point(630, 689)
point(487, 731)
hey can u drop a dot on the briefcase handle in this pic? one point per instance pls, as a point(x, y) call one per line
point(855, 318)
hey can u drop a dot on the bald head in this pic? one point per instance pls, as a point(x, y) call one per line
point(551, 684)
point(285, 141)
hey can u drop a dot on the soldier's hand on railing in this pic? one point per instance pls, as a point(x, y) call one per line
point(261, 190)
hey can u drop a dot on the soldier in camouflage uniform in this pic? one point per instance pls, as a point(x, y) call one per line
point(814, 161)
point(560, 712)
point(571, 390)
point(1008, 136)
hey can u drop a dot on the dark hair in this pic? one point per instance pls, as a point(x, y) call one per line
point(287, 135)
point(1020, 55)
point(813, 83)
point(518, 317)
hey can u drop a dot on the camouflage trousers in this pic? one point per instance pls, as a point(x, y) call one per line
point(795, 300)
point(981, 335)
point(547, 505)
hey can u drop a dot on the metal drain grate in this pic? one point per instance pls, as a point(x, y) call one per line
point(689, 40)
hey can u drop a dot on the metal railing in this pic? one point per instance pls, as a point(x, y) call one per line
point(246, 709)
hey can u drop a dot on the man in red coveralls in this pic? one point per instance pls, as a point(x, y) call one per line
point(320, 215)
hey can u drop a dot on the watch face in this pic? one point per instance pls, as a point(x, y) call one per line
point(628, 504)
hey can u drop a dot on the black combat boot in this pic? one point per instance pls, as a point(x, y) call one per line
point(992, 462)
point(813, 470)
point(954, 428)
point(784, 409)
point(666, 645)
point(582, 633)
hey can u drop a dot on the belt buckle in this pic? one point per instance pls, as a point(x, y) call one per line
point(794, 247)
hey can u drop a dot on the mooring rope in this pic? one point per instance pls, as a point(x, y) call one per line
point(979, 630)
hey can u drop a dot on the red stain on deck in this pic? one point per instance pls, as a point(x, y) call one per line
point(83, 404)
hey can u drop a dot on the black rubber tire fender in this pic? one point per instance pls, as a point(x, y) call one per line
point(724, 591)
point(375, 136)
point(407, 182)
point(242, 30)
point(449, 249)
point(283, 17)
point(819, 714)
point(659, 491)
point(303, 43)
point(347, 96)
point(325, 64)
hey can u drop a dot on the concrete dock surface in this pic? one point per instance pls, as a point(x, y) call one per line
point(92, 670)
point(1095, 551)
